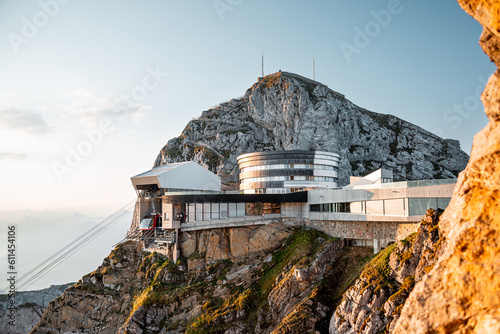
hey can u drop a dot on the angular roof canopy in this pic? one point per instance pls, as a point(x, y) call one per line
point(376, 177)
point(181, 175)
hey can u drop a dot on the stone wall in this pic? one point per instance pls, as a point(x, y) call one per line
point(383, 231)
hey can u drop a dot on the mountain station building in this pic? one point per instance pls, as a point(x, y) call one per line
point(295, 187)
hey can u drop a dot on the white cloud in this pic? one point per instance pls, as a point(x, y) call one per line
point(89, 110)
point(26, 121)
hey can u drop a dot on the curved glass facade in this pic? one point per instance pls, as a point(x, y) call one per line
point(278, 172)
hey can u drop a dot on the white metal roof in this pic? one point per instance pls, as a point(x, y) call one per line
point(181, 175)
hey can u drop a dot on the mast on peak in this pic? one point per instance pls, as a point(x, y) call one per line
point(262, 62)
point(314, 71)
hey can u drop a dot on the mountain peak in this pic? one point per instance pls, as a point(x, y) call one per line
point(283, 77)
point(284, 111)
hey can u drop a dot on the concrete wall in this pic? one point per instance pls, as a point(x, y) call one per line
point(319, 196)
point(292, 209)
point(168, 221)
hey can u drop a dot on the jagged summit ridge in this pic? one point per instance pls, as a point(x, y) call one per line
point(284, 111)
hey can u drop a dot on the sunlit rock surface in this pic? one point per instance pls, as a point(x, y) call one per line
point(462, 293)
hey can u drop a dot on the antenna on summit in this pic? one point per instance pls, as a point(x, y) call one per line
point(262, 63)
point(314, 71)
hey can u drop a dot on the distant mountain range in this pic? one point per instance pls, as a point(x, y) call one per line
point(287, 111)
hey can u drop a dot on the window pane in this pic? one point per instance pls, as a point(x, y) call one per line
point(314, 207)
point(223, 210)
point(258, 209)
point(267, 207)
point(276, 207)
point(191, 212)
point(215, 211)
point(418, 206)
point(199, 211)
point(240, 210)
point(232, 210)
point(206, 211)
point(249, 208)
point(443, 203)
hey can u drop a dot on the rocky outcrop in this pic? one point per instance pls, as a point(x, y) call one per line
point(30, 307)
point(287, 111)
point(101, 300)
point(263, 292)
point(461, 294)
point(284, 287)
point(373, 303)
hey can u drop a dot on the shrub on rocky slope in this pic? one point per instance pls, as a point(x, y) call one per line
point(374, 302)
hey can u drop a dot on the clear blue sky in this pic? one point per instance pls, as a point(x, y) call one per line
point(66, 68)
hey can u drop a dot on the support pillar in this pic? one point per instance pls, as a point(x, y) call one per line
point(376, 246)
point(177, 251)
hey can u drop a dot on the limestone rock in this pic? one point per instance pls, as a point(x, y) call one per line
point(225, 243)
point(90, 305)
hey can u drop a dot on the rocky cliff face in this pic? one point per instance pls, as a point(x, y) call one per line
point(289, 286)
point(31, 305)
point(374, 302)
point(287, 111)
point(461, 294)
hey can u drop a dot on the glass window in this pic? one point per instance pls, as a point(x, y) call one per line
point(249, 209)
point(314, 207)
point(179, 212)
point(258, 209)
point(418, 206)
point(223, 210)
point(254, 209)
point(240, 210)
point(199, 211)
point(232, 210)
point(266, 208)
point(215, 211)
point(345, 207)
point(206, 211)
point(191, 213)
point(275, 207)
